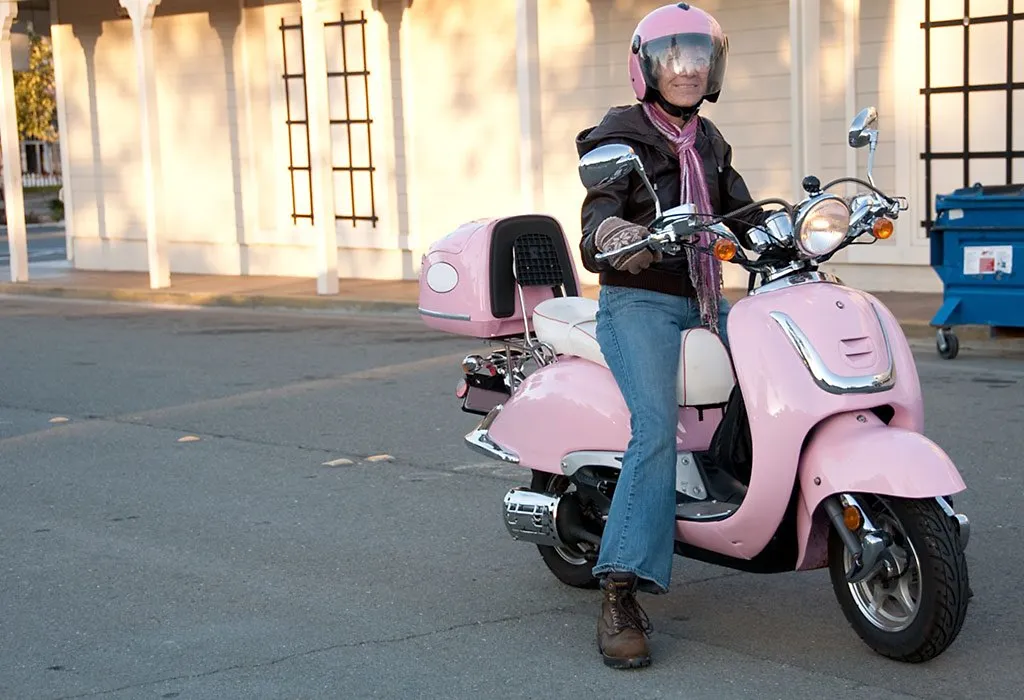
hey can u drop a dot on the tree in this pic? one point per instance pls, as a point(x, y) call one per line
point(35, 94)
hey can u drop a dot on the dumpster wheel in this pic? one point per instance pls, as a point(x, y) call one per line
point(947, 344)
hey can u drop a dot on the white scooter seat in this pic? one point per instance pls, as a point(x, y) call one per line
point(569, 325)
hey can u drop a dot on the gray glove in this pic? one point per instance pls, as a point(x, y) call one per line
point(614, 233)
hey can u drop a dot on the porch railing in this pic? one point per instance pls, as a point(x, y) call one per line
point(36, 180)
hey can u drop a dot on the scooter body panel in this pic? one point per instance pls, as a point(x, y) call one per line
point(574, 405)
point(843, 336)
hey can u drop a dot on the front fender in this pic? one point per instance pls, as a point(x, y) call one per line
point(856, 452)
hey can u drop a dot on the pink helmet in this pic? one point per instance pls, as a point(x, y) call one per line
point(677, 36)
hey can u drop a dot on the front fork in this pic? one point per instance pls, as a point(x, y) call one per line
point(871, 549)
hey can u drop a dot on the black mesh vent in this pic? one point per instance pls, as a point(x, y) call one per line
point(532, 229)
point(536, 261)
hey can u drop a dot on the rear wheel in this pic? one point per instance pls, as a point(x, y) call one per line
point(914, 610)
point(570, 565)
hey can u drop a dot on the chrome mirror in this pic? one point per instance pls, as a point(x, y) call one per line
point(608, 163)
point(864, 128)
point(864, 132)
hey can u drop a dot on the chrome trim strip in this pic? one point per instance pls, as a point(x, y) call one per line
point(479, 440)
point(793, 280)
point(574, 461)
point(827, 379)
point(442, 314)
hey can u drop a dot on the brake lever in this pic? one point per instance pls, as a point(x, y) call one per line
point(659, 240)
point(625, 249)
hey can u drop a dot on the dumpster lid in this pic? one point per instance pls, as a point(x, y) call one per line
point(979, 190)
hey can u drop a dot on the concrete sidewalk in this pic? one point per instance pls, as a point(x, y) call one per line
point(913, 310)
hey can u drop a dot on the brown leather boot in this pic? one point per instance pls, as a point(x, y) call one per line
point(623, 627)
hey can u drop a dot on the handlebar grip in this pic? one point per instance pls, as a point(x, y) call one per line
point(625, 249)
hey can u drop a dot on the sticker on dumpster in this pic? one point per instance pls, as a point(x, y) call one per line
point(988, 260)
point(955, 214)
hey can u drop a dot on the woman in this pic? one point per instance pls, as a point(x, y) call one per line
point(677, 61)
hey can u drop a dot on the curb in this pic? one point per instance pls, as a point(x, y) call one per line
point(913, 328)
point(205, 299)
point(974, 334)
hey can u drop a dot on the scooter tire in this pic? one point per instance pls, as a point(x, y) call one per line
point(577, 575)
point(944, 584)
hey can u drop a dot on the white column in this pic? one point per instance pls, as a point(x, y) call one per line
point(851, 50)
point(141, 13)
point(244, 86)
point(59, 34)
point(321, 163)
point(531, 153)
point(908, 127)
point(805, 85)
point(417, 237)
point(11, 145)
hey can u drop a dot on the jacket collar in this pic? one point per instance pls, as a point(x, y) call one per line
point(631, 123)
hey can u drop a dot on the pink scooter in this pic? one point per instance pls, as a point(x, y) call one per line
point(801, 450)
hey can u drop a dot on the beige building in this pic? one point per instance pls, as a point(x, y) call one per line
point(339, 138)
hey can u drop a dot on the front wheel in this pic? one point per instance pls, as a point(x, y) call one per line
point(570, 565)
point(912, 610)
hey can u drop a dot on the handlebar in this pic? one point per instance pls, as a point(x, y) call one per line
point(680, 227)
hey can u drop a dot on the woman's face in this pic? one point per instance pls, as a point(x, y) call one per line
point(683, 76)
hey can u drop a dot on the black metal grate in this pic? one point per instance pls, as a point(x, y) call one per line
point(302, 125)
point(360, 174)
point(536, 261)
point(966, 89)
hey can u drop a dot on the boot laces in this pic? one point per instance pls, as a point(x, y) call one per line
point(627, 613)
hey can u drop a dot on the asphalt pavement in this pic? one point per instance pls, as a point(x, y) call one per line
point(222, 503)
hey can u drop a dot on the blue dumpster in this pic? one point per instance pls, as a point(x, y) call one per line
point(977, 250)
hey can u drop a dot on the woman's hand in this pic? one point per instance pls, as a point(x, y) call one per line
point(614, 233)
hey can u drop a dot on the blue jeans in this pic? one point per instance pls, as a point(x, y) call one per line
point(638, 332)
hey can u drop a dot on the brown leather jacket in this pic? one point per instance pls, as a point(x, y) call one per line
point(629, 199)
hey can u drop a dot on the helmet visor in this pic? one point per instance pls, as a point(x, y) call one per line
point(700, 55)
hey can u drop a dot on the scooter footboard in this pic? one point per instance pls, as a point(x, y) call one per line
point(857, 452)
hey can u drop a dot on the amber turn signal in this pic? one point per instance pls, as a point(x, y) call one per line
point(882, 228)
point(851, 518)
point(724, 250)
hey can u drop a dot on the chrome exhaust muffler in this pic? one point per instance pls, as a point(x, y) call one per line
point(532, 516)
point(545, 519)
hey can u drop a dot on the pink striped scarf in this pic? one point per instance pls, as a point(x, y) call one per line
point(705, 270)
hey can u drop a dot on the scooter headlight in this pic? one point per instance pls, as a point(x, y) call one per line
point(822, 226)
